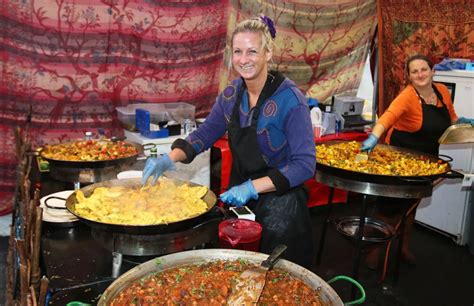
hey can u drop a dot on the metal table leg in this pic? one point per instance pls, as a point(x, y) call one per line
point(116, 264)
point(77, 185)
point(325, 226)
point(360, 234)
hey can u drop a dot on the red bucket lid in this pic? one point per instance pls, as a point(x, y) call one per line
point(240, 230)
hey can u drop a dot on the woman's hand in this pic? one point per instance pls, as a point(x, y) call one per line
point(156, 166)
point(465, 120)
point(370, 143)
point(239, 195)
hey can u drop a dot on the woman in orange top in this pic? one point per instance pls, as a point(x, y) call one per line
point(415, 120)
point(420, 114)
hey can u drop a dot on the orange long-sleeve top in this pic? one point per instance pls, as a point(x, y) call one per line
point(405, 112)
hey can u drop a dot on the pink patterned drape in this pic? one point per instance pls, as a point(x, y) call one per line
point(71, 62)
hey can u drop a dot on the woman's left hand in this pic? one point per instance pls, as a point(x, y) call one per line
point(465, 120)
point(239, 195)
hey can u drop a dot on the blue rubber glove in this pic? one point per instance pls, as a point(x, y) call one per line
point(239, 195)
point(155, 167)
point(465, 120)
point(370, 143)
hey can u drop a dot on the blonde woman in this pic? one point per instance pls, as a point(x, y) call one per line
point(270, 136)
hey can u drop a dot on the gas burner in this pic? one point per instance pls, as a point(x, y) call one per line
point(200, 235)
point(159, 244)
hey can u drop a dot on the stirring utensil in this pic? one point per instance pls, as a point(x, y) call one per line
point(249, 286)
point(361, 157)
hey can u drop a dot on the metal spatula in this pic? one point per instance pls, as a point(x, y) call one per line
point(249, 286)
point(360, 157)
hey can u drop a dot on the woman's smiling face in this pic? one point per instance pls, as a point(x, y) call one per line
point(249, 58)
point(419, 73)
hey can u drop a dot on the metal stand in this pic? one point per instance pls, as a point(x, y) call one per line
point(77, 185)
point(322, 240)
point(360, 234)
point(366, 189)
point(116, 264)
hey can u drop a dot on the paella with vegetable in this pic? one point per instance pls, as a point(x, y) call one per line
point(89, 150)
point(383, 160)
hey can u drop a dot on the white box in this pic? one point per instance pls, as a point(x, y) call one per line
point(348, 105)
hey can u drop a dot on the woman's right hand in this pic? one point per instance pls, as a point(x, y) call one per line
point(156, 166)
point(465, 120)
point(239, 195)
point(370, 143)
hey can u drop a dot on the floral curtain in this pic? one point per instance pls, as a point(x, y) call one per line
point(72, 62)
point(435, 28)
point(321, 45)
point(67, 64)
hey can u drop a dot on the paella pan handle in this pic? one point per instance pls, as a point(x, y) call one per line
point(418, 179)
point(354, 282)
point(116, 138)
point(453, 174)
point(445, 158)
point(149, 146)
point(54, 207)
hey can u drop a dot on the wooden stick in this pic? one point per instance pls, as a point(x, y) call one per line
point(20, 247)
point(10, 267)
point(23, 284)
point(36, 239)
point(18, 142)
point(33, 296)
point(44, 283)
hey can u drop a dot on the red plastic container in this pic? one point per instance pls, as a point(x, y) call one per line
point(240, 234)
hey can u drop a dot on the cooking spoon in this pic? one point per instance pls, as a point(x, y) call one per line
point(249, 286)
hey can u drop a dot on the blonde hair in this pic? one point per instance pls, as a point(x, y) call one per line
point(255, 25)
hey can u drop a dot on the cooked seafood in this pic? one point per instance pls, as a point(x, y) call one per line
point(382, 160)
point(162, 203)
point(89, 150)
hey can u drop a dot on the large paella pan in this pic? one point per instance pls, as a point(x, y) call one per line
point(141, 201)
point(182, 261)
point(385, 164)
point(94, 153)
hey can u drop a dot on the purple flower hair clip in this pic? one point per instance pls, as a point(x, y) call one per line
point(269, 23)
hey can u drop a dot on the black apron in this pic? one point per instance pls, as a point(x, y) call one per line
point(434, 122)
point(285, 219)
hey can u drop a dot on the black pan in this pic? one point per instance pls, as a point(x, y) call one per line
point(388, 179)
point(210, 199)
point(95, 164)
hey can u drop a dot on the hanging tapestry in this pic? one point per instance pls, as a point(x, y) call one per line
point(434, 28)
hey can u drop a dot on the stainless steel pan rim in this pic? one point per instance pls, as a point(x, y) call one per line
point(326, 292)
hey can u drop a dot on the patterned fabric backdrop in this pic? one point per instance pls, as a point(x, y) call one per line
point(434, 28)
point(75, 61)
point(321, 45)
point(71, 62)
